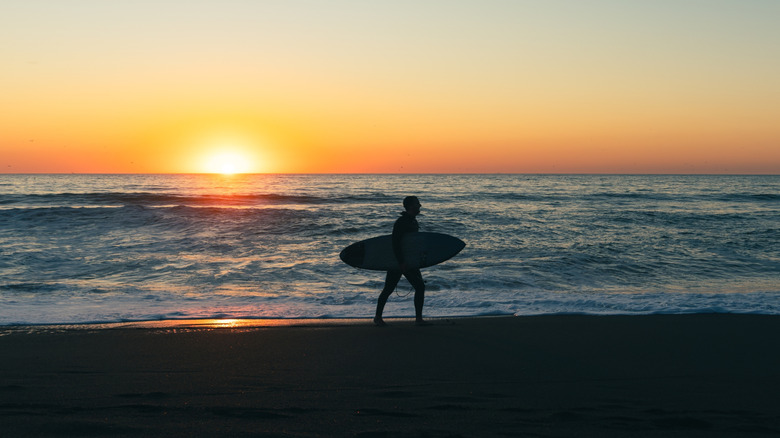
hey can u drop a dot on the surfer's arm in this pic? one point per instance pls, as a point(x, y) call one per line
point(398, 234)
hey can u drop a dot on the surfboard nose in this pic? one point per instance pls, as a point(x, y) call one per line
point(354, 254)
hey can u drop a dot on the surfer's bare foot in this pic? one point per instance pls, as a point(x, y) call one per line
point(421, 322)
point(379, 322)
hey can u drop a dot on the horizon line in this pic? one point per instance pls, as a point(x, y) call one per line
point(398, 173)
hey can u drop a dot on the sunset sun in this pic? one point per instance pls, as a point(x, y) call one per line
point(228, 163)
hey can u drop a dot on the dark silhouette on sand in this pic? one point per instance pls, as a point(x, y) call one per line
point(407, 223)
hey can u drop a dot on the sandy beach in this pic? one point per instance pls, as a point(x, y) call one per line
point(547, 376)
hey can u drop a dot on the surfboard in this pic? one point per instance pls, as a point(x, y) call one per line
point(421, 249)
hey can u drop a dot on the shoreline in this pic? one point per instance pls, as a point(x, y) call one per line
point(258, 323)
point(708, 375)
point(230, 323)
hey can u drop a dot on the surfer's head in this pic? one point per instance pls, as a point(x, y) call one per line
point(412, 205)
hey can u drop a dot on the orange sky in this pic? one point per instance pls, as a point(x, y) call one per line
point(345, 86)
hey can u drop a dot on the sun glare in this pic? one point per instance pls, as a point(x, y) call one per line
point(224, 151)
point(228, 163)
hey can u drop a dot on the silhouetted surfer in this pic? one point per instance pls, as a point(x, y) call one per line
point(407, 223)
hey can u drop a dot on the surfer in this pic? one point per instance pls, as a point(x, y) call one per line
point(407, 223)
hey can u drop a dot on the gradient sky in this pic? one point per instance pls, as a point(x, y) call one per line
point(606, 86)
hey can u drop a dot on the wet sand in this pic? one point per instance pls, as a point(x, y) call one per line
point(548, 376)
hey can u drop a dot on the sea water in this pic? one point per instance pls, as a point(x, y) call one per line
point(109, 248)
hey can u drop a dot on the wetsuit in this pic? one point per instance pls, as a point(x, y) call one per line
point(404, 224)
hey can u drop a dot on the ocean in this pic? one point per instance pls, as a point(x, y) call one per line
point(111, 248)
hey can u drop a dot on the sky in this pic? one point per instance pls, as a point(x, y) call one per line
point(375, 86)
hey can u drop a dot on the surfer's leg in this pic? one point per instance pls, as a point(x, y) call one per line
point(416, 280)
point(391, 281)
